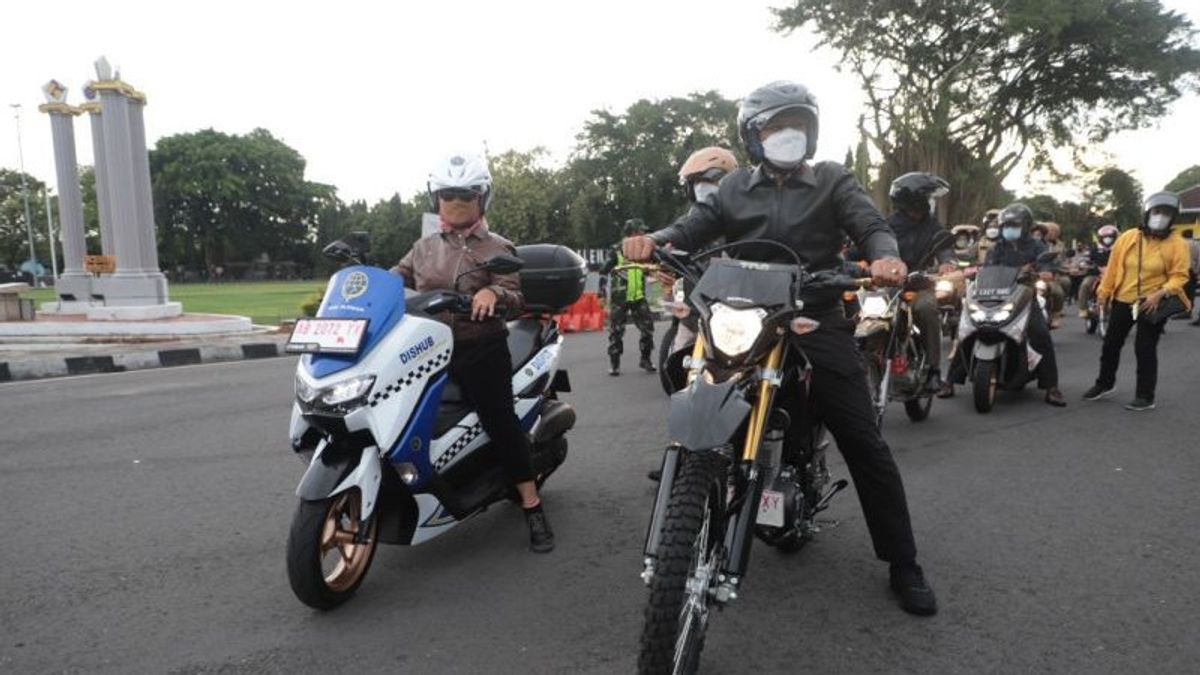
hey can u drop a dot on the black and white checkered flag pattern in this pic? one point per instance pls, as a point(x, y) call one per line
point(415, 376)
point(458, 446)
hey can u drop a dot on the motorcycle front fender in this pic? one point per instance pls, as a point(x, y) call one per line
point(329, 476)
point(983, 352)
point(869, 327)
point(706, 415)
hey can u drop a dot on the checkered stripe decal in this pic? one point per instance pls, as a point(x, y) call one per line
point(457, 447)
point(419, 374)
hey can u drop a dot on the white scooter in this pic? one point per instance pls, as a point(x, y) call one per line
point(394, 453)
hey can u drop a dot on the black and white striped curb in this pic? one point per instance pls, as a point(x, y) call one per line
point(39, 366)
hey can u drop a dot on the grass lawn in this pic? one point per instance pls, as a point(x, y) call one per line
point(265, 302)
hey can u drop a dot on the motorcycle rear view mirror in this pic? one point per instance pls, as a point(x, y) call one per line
point(359, 240)
point(338, 250)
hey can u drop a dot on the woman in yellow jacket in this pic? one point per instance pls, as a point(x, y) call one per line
point(1146, 266)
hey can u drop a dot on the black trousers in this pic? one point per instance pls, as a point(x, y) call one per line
point(1145, 349)
point(841, 400)
point(483, 369)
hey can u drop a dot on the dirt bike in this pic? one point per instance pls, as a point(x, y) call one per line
point(746, 457)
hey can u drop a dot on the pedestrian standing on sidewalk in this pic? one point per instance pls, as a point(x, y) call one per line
point(627, 298)
point(1147, 267)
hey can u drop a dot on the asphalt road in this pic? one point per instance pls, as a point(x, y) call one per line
point(144, 518)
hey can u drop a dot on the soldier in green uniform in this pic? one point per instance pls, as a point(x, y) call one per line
point(627, 297)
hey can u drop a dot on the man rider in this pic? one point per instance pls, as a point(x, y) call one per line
point(916, 229)
point(460, 189)
point(1056, 295)
point(1018, 248)
point(627, 296)
point(808, 207)
point(991, 233)
point(1097, 256)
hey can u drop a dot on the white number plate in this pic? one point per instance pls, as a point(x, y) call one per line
point(327, 336)
point(770, 509)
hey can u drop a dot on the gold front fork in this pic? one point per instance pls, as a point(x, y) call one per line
point(697, 357)
point(762, 407)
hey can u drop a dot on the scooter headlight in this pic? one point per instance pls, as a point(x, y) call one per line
point(735, 330)
point(979, 315)
point(943, 286)
point(347, 390)
point(1001, 315)
point(874, 307)
point(303, 391)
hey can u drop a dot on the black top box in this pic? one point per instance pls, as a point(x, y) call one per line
point(552, 278)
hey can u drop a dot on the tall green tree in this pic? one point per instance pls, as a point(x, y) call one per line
point(14, 238)
point(223, 198)
point(1119, 198)
point(530, 202)
point(626, 165)
point(1189, 177)
point(967, 88)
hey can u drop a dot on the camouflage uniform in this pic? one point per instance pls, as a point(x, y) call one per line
point(627, 297)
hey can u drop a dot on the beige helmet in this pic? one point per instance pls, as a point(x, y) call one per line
point(707, 159)
point(1053, 231)
point(971, 230)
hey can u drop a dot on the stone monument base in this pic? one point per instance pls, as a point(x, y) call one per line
point(78, 326)
point(134, 312)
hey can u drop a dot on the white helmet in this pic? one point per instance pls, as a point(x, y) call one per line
point(463, 171)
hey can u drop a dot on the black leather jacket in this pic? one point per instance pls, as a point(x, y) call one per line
point(810, 212)
point(1020, 253)
point(916, 237)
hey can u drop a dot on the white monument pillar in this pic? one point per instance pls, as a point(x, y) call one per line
point(137, 289)
point(73, 285)
point(92, 108)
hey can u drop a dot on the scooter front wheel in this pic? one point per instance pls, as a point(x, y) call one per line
point(983, 385)
point(328, 554)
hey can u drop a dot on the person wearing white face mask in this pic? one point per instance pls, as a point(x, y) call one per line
point(810, 209)
point(1147, 267)
point(991, 234)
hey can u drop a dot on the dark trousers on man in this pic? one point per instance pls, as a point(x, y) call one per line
point(928, 321)
point(483, 369)
point(840, 399)
point(642, 318)
point(1145, 349)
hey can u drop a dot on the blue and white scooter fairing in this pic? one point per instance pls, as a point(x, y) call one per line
point(394, 452)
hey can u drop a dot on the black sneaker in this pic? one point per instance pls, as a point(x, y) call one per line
point(615, 368)
point(1139, 404)
point(1098, 392)
point(916, 597)
point(541, 537)
point(647, 365)
point(934, 384)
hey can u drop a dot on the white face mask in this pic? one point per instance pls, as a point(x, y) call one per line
point(703, 191)
point(992, 232)
point(1011, 233)
point(785, 149)
point(1159, 222)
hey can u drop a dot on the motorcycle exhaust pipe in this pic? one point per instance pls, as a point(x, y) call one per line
point(670, 463)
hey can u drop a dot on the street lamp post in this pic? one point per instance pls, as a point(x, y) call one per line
point(25, 193)
point(50, 237)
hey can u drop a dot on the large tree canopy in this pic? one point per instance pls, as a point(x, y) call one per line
point(14, 239)
point(966, 88)
point(1189, 177)
point(222, 198)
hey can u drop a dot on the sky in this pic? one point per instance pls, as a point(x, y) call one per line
point(372, 94)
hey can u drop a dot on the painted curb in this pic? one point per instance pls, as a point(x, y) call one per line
point(59, 366)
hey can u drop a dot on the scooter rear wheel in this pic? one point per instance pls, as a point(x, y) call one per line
point(325, 563)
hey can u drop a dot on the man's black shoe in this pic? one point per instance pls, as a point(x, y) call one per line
point(541, 537)
point(947, 390)
point(647, 365)
point(1097, 392)
point(1140, 403)
point(1055, 398)
point(916, 597)
point(654, 475)
point(615, 368)
point(934, 384)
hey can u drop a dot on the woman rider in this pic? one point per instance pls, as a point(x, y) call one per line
point(460, 190)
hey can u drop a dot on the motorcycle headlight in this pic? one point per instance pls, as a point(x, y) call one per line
point(347, 390)
point(874, 306)
point(1041, 285)
point(978, 316)
point(303, 391)
point(943, 286)
point(735, 330)
point(1001, 315)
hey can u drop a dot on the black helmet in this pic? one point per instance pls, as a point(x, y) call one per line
point(635, 225)
point(1017, 214)
point(914, 190)
point(768, 100)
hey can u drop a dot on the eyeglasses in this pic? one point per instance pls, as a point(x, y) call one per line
point(457, 194)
